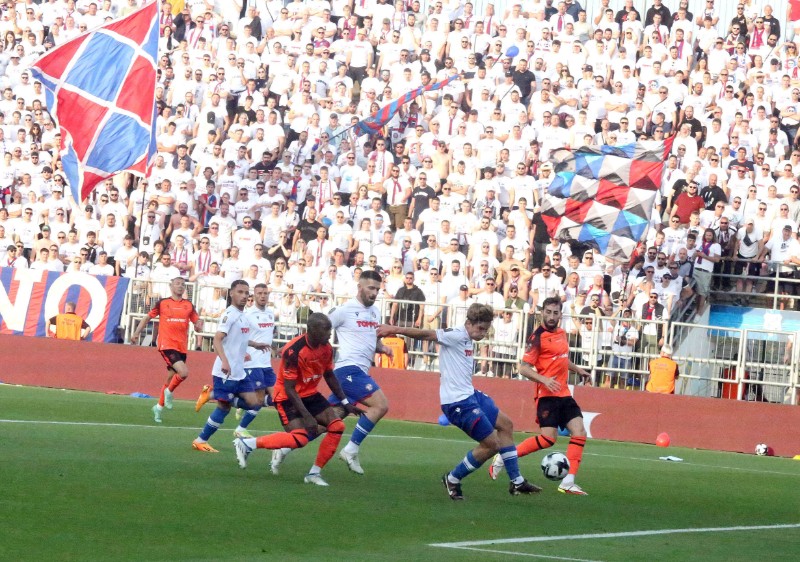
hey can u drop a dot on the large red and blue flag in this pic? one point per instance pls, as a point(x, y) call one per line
point(375, 122)
point(100, 88)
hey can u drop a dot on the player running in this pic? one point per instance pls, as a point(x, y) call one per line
point(258, 362)
point(548, 354)
point(355, 323)
point(174, 315)
point(474, 412)
point(305, 360)
point(230, 342)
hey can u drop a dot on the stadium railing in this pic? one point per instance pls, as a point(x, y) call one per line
point(716, 362)
point(767, 287)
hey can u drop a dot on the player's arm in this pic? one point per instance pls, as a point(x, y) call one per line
point(85, 330)
point(51, 327)
point(384, 349)
point(385, 330)
point(258, 345)
point(584, 374)
point(140, 327)
point(218, 338)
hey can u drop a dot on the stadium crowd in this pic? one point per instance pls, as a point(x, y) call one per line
point(260, 174)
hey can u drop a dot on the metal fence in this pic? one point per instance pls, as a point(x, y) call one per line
point(717, 362)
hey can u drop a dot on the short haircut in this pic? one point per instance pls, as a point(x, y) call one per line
point(479, 313)
point(237, 283)
point(260, 286)
point(371, 276)
point(551, 301)
point(318, 321)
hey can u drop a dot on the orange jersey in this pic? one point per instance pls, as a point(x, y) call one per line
point(303, 364)
point(548, 353)
point(174, 317)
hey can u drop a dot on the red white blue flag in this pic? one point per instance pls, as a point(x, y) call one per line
point(375, 122)
point(100, 88)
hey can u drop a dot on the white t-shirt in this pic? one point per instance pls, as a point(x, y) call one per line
point(262, 328)
point(237, 329)
point(456, 364)
point(355, 326)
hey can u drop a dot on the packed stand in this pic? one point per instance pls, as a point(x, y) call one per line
point(260, 175)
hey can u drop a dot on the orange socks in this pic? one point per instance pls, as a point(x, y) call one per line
point(575, 453)
point(173, 384)
point(295, 439)
point(329, 443)
point(533, 444)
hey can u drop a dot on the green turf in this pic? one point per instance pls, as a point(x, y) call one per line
point(92, 490)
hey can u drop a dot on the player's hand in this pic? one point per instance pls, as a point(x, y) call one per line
point(384, 330)
point(552, 384)
point(586, 378)
point(247, 357)
point(352, 409)
point(225, 367)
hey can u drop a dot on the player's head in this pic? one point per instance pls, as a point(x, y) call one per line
point(260, 293)
point(319, 329)
point(69, 306)
point(368, 286)
point(177, 286)
point(238, 294)
point(479, 320)
point(551, 313)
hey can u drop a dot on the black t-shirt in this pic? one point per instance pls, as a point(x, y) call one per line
point(711, 195)
point(421, 198)
point(407, 313)
point(524, 81)
point(308, 229)
point(541, 234)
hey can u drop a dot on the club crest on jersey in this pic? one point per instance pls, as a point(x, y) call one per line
point(368, 387)
point(476, 411)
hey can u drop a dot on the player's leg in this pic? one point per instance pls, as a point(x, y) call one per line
point(468, 416)
point(548, 422)
point(360, 388)
point(577, 442)
point(181, 374)
point(258, 380)
point(506, 450)
point(223, 391)
point(334, 428)
point(295, 437)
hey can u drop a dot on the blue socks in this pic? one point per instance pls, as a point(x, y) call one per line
point(511, 462)
point(215, 420)
point(248, 418)
point(362, 429)
point(466, 467)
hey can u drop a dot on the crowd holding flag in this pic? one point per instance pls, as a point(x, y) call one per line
point(100, 89)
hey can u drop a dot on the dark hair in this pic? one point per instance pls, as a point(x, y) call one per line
point(551, 301)
point(479, 313)
point(371, 276)
point(260, 286)
point(237, 283)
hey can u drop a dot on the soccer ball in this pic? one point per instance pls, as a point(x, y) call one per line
point(762, 449)
point(555, 466)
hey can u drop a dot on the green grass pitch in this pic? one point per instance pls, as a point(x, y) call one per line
point(89, 476)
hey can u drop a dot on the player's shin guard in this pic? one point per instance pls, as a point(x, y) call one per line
point(161, 396)
point(330, 442)
point(215, 420)
point(510, 461)
point(466, 467)
point(575, 453)
point(295, 439)
point(248, 417)
point(175, 382)
point(360, 432)
point(533, 444)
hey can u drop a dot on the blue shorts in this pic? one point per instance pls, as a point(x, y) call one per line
point(475, 415)
point(355, 383)
point(262, 377)
point(226, 389)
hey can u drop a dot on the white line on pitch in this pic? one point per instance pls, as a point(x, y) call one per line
point(625, 534)
point(528, 554)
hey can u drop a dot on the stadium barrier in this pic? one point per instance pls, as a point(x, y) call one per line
point(727, 363)
point(727, 425)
